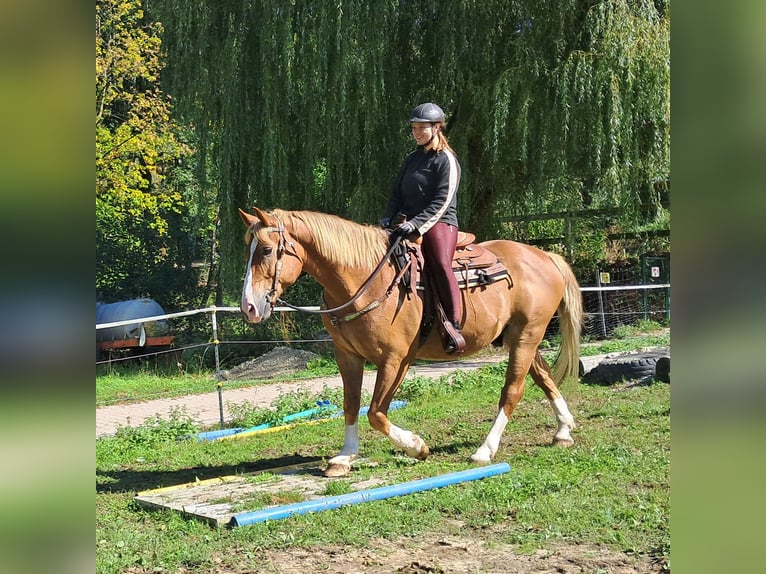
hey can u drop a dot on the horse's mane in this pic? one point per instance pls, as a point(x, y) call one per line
point(345, 243)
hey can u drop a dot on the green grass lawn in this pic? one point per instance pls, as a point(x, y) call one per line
point(137, 383)
point(611, 489)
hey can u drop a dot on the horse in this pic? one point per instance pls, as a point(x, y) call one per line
point(380, 318)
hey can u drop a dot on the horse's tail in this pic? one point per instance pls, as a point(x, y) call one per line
point(570, 313)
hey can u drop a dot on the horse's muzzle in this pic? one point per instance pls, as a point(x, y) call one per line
point(255, 312)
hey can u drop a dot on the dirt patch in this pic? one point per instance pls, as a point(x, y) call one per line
point(452, 554)
point(278, 361)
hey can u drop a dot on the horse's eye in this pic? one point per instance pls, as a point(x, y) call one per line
point(267, 250)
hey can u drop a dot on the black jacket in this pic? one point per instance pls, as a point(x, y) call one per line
point(426, 189)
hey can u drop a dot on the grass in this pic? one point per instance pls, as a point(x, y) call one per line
point(611, 488)
point(628, 338)
point(129, 383)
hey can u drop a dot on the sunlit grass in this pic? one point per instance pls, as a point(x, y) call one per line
point(611, 488)
point(126, 385)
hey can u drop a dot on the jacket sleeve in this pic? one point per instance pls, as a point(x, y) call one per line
point(395, 200)
point(445, 190)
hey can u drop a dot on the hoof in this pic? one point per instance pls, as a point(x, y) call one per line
point(336, 470)
point(562, 442)
point(420, 450)
point(481, 456)
point(481, 461)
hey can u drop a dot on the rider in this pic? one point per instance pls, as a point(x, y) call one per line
point(425, 193)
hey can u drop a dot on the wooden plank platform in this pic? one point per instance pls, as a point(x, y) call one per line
point(216, 500)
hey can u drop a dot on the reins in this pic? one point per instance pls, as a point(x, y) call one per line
point(358, 294)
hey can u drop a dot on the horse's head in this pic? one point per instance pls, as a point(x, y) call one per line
point(268, 271)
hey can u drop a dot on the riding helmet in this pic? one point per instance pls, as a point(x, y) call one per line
point(427, 112)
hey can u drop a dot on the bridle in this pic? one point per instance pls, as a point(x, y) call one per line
point(282, 248)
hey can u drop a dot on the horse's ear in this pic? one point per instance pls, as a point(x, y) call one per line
point(260, 215)
point(265, 218)
point(246, 217)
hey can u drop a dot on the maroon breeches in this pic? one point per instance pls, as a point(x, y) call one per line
point(438, 248)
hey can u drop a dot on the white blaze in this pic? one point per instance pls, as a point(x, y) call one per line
point(247, 288)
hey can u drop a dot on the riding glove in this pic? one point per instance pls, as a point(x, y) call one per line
point(404, 229)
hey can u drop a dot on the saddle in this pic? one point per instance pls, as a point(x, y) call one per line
point(472, 265)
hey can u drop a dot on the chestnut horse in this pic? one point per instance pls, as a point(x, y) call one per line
point(381, 324)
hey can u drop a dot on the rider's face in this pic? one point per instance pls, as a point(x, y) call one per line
point(422, 132)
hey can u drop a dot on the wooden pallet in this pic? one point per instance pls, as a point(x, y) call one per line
point(216, 500)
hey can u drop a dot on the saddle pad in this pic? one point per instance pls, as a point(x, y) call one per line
point(469, 278)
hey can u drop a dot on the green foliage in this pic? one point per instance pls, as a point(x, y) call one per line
point(611, 489)
point(551, 105)
point(158, 429)
point(338, 487)
point(149, 211)
point(246, 414)
point(320, 367)
point(629, 338)
point(123, 383)
point(630, 331)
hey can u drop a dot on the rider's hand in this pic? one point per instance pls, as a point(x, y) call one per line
point(385, 222)
point(404, 229)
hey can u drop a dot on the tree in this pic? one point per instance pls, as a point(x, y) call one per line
point(143, 215)
point(552, 105)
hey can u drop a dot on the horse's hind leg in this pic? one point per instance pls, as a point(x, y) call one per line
point(390, 376)
point(541, 374)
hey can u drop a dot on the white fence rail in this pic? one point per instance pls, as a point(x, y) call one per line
point(213, 310)
point(600, 315)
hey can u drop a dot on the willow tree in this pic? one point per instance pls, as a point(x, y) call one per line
point(302, 104)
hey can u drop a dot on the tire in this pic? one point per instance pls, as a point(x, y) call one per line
point(662, 372)
point(631, 367)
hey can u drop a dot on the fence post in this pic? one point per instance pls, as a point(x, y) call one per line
point(215, 338)
point(220, 404)
point(601, 303)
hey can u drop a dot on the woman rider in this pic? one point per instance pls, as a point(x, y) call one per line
point(425, 193)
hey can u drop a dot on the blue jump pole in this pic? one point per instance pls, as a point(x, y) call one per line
point(216, 434)
point(213, 435)
point(380, 493)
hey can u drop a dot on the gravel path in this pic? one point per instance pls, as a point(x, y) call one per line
point(204, 408)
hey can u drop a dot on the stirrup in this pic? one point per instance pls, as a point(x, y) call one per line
point(454, 343)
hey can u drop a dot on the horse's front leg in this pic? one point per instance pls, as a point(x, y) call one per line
point(386, 384)
point(351, 371)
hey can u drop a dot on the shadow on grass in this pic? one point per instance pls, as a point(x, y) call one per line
point(113, 481)
point(457, 447)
